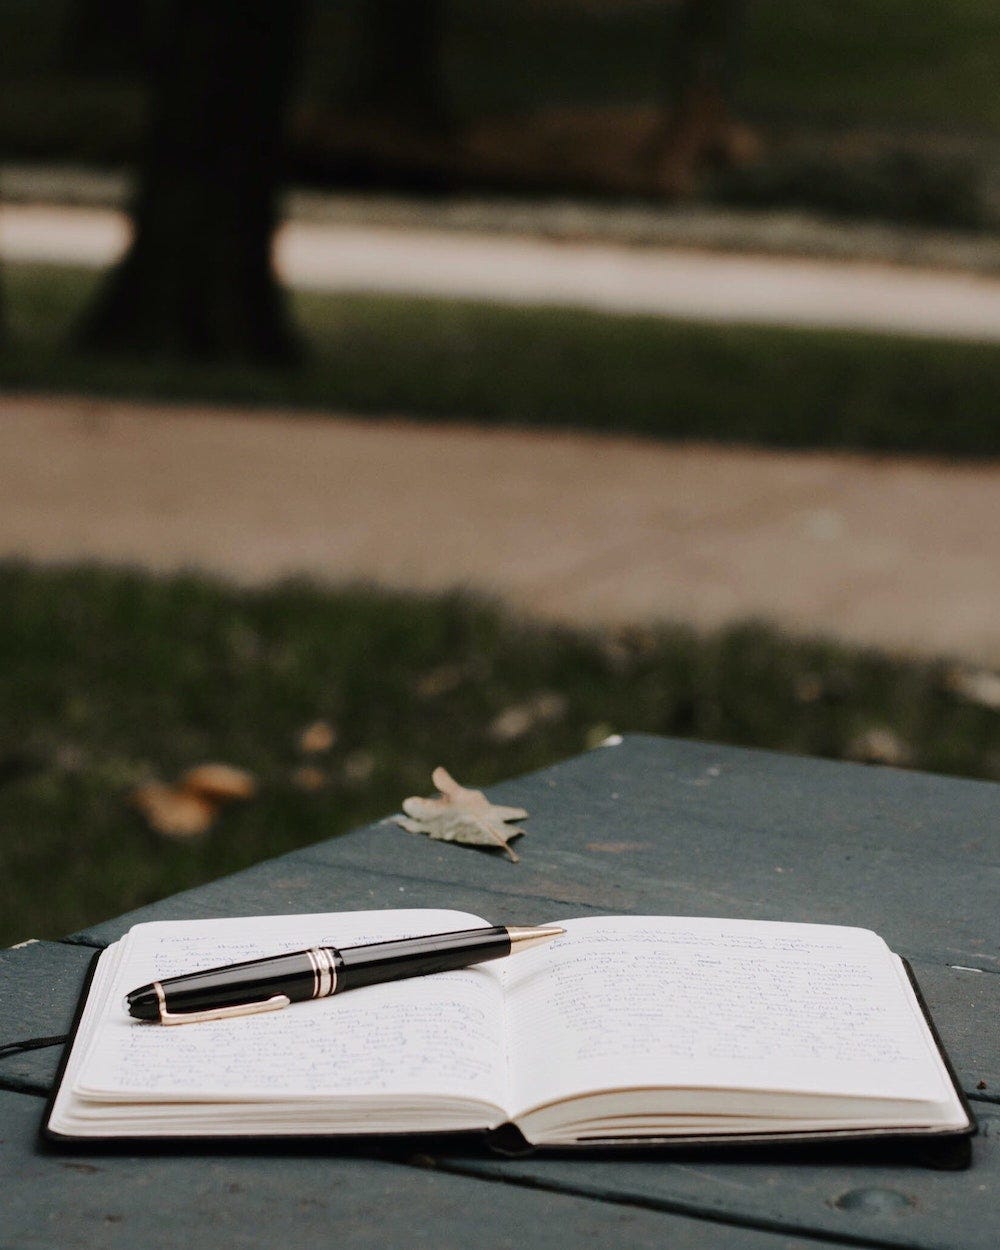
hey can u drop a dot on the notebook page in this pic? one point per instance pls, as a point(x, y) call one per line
point(628, 1002)
point(439, 1035)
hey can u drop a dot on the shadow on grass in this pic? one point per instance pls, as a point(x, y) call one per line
point(553, 368)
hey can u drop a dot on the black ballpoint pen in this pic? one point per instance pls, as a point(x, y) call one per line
point(268, 984)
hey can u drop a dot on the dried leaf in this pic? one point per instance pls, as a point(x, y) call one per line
point(219, 783)
point(188, 808)
point(598, 736)
point(980, 686)
point(174, 812)
point(809, 688)
point(441, 680)
point(461, 815)
point(317, 737)
point(309, 778)
point(878, 745)
point(516, 721)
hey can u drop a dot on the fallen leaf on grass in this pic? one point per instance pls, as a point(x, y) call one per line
point(599, 735)
point(219, 782)
point(441, 680)
point(516, 721)
point(309, 778)
point(878, 745)
point(977, 686)
point(317, 737)
point(461, 815)
point(188, 808)
point(809, 688)
point(173, 812)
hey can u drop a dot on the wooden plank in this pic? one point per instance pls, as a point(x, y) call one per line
point(303, 882)
point(880, 1201)
point(681, 828)
point(80, 1201)
point(965, 1006)
point(685, 828)
point(39, 988)
point(31, 1071)
point(41, 982)
point(689, 828)
point(890, 1205)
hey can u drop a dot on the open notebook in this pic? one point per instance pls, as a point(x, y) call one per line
point(624, 1030)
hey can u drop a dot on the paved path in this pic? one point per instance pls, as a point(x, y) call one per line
point(660, 281)
point(583, 529)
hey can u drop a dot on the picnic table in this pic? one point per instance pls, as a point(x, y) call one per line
point(641, 825)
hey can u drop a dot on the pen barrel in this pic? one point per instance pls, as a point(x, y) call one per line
point(419, 956)
point(293, 975)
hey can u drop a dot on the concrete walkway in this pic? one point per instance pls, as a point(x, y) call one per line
point(901, 554)
point(669, 282)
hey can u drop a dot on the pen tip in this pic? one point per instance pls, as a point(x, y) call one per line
point(524, 936)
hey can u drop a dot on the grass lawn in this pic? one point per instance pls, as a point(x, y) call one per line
point(109, 678)
point(556, 367)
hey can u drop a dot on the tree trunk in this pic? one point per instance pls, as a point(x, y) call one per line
point(197, 280)
point(398, 76)
point(106, 39)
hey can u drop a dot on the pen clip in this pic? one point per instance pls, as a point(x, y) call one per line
point(217, 1013)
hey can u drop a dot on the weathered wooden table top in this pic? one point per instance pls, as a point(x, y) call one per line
point(647, 826)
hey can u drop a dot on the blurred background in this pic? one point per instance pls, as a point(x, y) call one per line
point(462, 382)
